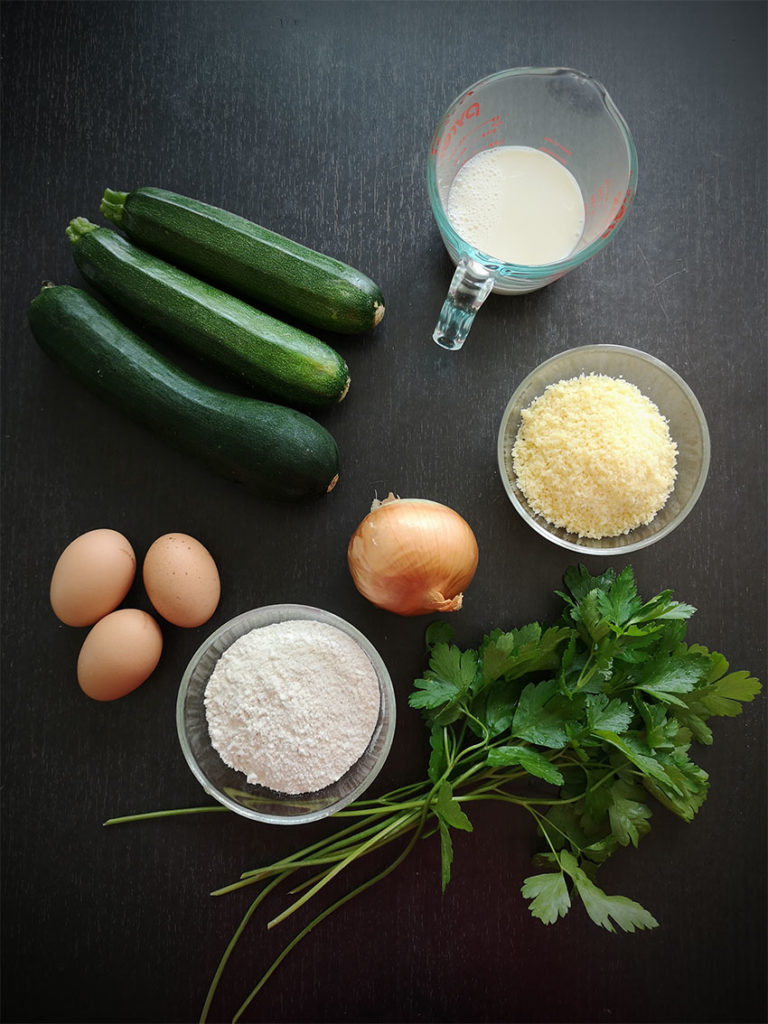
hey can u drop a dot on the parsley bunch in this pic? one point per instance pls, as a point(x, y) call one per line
point(599, 710)
point(605, 706)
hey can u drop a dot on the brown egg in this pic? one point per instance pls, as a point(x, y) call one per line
point(181, 580)
point(118, 654)
point(92, 576)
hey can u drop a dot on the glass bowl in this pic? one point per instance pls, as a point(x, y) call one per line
point(230, 787)
point(675, 401)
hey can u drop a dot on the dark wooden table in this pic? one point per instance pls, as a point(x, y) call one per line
point(314, 119)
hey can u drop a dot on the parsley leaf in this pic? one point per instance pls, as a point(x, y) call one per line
point(449, 810)
point(590, 614)
point(639, 754)
point(603, 713)
point(621, 601)
point(438, 633)
point(449, 815)
point(722, 694)
point(433, 693)
point(629, 816)
point(495, 706)
point(549, 895)
point(538, 719)
point(446, 682)
point(448, 662)
point(438, 760)
point(662, 607)
point(580, 583)
point(531, 760)
point(657, 725)
point(627, 914)
point(520, 651)
point(669, 676)
point(446, 854)
point(683, 789)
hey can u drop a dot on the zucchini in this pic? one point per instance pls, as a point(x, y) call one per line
point(275, 358)
point(276, 451)
point(243, 257)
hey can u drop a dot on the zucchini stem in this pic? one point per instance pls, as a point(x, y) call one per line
point(78, 228)
point(112, 205)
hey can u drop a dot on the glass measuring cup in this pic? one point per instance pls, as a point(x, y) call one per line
point(565, 114)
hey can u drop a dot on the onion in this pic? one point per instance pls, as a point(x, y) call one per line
point(412, 556)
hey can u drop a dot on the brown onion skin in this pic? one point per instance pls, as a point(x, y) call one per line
point(393, 553)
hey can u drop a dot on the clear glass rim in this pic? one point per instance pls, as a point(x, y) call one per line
point(569, 262)
point(583, 547)
point(388, 706)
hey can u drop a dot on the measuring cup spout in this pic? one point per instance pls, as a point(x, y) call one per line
point(471, 285)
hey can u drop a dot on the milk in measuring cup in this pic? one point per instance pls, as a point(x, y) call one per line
point(518, 205)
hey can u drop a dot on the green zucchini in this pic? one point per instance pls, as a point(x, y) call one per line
point(273, 450)
point(277, 359)
point(243, 257)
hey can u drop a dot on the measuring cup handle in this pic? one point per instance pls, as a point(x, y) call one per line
point(471, 285)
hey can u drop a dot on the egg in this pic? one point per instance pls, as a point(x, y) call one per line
point(92, 576)
point(118, 654)
point(181, 580)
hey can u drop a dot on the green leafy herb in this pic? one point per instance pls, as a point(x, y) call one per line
point(597, 715)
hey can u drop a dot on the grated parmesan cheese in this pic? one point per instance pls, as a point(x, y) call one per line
point(594, 456)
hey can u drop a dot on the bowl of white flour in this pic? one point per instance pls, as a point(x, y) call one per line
point(286, 714)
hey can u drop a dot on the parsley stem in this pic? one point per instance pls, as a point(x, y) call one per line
point(388, 808)
point(390, 797)
point(162, 814)
point(470, 717)
point(327, 850)
point(497, 796)
point(468, 774)
point(357, 851)
point(328, 911)
point(327, 842)
point(540, 819)
point(233, 942)
point(382, 840)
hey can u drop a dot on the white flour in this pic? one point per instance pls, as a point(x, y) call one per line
point(292, 705)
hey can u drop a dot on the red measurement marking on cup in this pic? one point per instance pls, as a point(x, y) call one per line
point(491, 126)
point(440, 144)
point(559, 145)
point(598, 200)
point(458, 152)
point(551, 152)
point(623, 205)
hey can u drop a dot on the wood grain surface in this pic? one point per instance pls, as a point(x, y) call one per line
point(314, 119)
